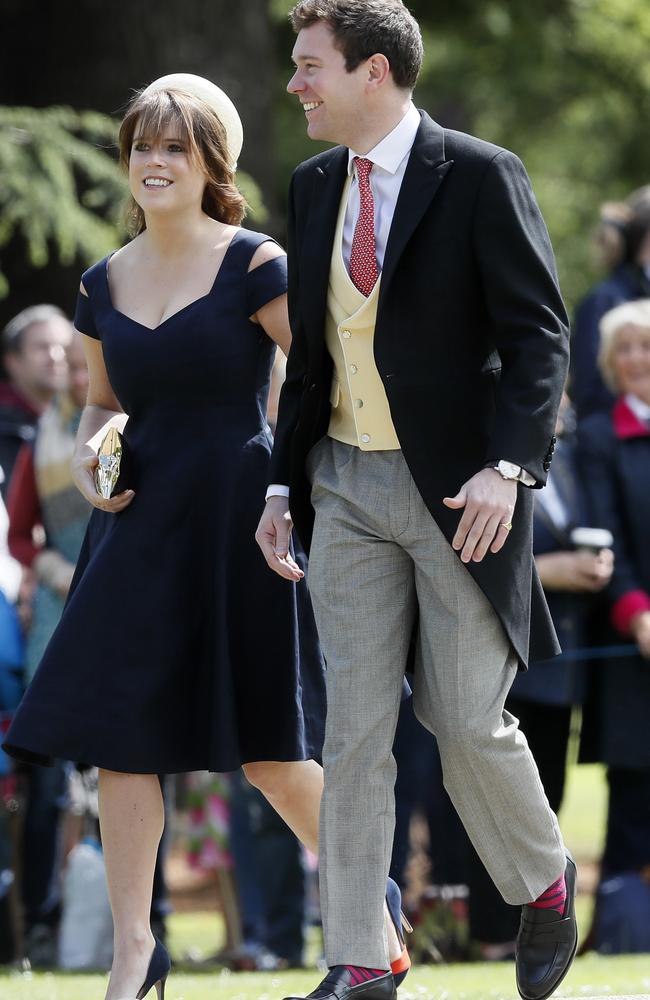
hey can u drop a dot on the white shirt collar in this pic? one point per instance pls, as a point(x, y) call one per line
point(640, 409)
point(394, 147)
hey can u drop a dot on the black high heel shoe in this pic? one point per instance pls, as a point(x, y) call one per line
point(157, 972)
point(401, 965)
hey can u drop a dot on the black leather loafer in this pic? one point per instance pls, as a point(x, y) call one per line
point(547, 943)
point(338, 985)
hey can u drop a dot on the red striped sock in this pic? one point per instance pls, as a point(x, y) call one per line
point(360, 974)
point(554, 898)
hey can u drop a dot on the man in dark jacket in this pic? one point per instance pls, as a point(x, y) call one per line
point(33, 356)
point(428, 358)
point(629, 258)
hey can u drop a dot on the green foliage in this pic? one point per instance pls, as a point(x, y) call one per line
point(63, 192)
point(253, 195)
point(566, 85)
point(280, 9)
point(61, 188)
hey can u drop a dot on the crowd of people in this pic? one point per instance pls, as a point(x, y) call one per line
point(144, 636)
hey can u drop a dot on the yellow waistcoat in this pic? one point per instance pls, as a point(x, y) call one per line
point(360, 411)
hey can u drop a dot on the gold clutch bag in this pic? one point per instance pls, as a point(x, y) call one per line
point(110, 455)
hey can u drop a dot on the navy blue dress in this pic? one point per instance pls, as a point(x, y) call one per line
point(179, 649)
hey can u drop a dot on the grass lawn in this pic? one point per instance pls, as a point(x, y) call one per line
point(590, 976)
point(583, 812)
point(200, 934)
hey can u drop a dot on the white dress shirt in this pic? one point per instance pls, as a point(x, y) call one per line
point(550, 499)
point(389, 159)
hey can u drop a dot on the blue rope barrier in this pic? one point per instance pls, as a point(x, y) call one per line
point(598, 652)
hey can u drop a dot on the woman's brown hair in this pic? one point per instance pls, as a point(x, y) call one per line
point(151, 114)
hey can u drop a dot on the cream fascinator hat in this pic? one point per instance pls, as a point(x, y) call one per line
point(213, 96)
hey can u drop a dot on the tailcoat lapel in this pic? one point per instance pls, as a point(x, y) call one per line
point(327, 188)
point(424, 174)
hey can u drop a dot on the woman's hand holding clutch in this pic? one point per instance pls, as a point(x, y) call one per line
point(99, 434)
point(84, 466)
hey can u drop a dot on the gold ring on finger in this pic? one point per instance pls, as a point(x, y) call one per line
point(507, 525)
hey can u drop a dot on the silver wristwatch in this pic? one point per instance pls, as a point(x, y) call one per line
point(508, 470)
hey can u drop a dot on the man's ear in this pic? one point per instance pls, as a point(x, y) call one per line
point(378, 69)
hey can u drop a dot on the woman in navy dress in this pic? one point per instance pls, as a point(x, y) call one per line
point(177, 650)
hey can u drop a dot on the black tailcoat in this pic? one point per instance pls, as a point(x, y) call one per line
point(471, 343)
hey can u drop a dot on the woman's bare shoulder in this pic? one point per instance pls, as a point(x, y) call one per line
point(266, 251)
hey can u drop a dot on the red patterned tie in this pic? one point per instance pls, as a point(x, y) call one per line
point(363, 257)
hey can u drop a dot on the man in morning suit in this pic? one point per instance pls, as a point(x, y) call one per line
point(429, 353)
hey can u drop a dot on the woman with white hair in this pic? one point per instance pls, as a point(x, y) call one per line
point(615, 461)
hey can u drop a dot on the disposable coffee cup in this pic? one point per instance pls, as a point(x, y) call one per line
point(592, 539)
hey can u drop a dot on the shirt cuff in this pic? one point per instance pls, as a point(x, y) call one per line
point(275, 490)
point(626, 607)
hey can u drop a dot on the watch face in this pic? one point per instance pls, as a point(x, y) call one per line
point(509, 469)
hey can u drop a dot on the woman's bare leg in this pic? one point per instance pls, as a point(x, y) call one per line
point(131, 817)
point(294, 789)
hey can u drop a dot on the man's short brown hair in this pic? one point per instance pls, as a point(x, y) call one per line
point(362, 28)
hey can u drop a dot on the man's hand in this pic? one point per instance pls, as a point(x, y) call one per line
point(272, 536)
point(489, 502)
point(640, 628)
